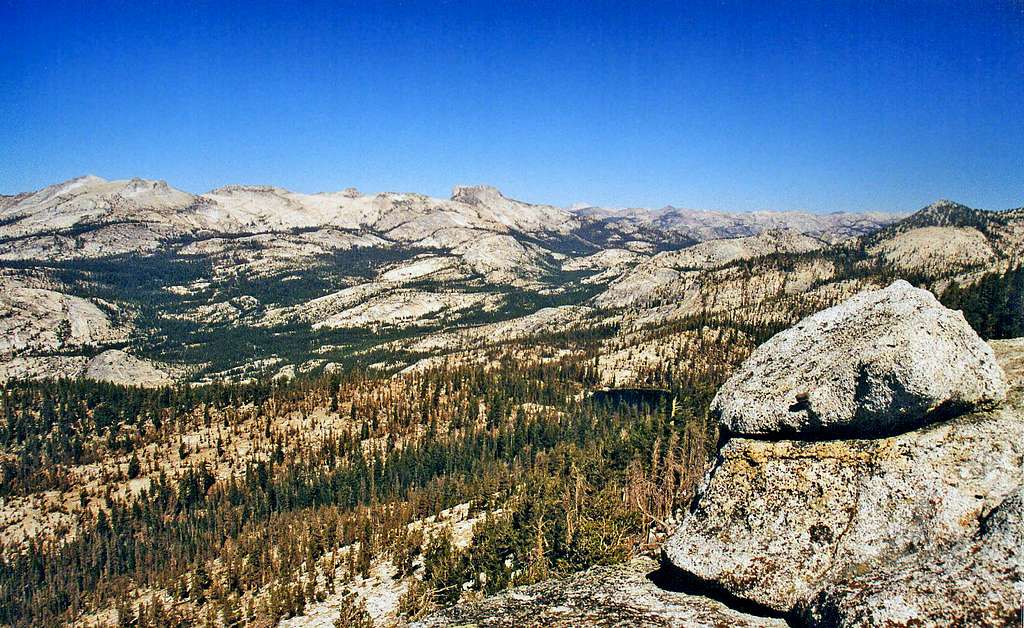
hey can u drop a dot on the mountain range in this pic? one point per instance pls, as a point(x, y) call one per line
point(134, 280)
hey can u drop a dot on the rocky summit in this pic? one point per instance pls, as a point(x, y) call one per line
point(327, 375)
point(880, 363)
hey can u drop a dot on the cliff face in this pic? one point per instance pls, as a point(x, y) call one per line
point(917, 521)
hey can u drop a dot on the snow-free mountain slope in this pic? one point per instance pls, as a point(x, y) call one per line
point(243, 275)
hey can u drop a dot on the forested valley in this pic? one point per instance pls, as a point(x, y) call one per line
point(231, 503)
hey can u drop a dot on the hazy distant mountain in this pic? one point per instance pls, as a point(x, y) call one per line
point(89, 216)
point(706, 224)
point(97, 275)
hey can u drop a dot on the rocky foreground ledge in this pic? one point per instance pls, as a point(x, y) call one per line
point(838, 506)
point(635, 594)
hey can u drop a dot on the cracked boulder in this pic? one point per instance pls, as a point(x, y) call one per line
point(777, 522)
point(880, 363)
point(979, 582)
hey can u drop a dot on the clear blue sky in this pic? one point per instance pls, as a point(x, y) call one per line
point(731, 105)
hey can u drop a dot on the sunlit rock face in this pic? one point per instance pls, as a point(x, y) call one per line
point(917, 525)
point(779, 521)
point(879, 363)
point(978, 581)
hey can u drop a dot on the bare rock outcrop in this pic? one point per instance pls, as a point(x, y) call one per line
point(39, 321)
point(621, 595)
point(862, 531)
point(119, 367)
point(879, 363)
point(779, 521)
point(113, 365)
point(983, 577)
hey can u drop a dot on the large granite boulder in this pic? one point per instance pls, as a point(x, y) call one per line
point(620, 595)
point(777, 522)
point(880, 363)
point(977, 582)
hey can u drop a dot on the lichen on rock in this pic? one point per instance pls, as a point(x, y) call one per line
point(778, 521)
point(979, 581)
point(885, 529)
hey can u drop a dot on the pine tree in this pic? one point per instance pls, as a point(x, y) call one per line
point(134, 467)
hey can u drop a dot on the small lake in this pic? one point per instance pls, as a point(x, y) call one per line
point(632, 396)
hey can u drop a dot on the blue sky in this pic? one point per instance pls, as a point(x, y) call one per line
point(729, 105)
